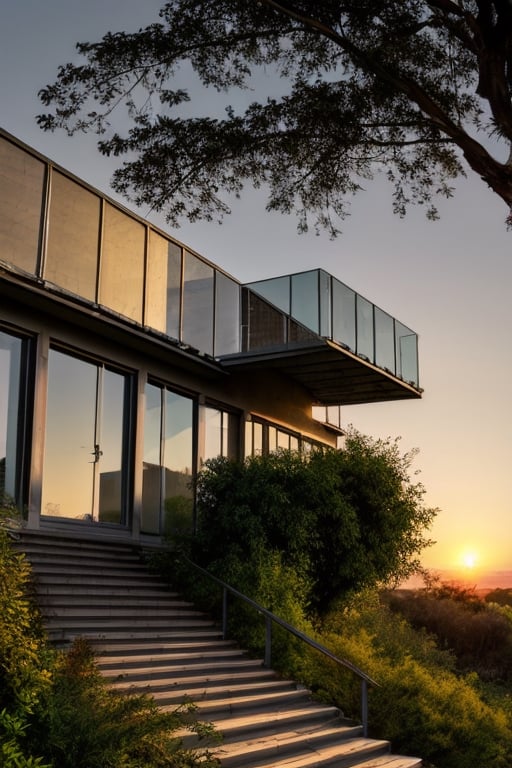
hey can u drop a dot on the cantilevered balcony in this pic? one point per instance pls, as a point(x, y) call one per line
point(340, 346)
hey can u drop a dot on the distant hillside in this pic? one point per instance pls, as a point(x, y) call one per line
point(480, 580)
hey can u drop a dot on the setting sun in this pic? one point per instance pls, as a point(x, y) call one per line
point(469, 559)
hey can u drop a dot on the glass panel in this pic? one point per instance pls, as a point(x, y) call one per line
point(364, 328)
point(112, 439)
point(283, 440)
point(325, 303)
point(305, 299)
point(178, 462)
point(407, 354)
point(227, 315)
point(257, 439)
point(334, 415)
point(294, 443)
point(156, 282)
point(266, 326)
point(277, 291)
point(73, 237)
point(70, 437)
point(344, 314)
point(10, 406)
point(384, 340)
point(213, 437)
point(122, 264)
point(198, 304)
point(272, 439)
point(21, 196)
point(150, 522)
point(173, 291)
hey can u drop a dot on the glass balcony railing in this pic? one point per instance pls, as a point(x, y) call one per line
point(318, 301)
point(109, 258)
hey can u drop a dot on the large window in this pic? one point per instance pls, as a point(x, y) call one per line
point(167, 495)
point(87, 453)
point(13, 414)
point(262, 437)
point(218, 433)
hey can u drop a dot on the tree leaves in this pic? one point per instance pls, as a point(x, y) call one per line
point(313, 100)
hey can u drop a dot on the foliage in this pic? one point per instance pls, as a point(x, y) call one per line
point(341, 520)
point(58, 707)
point(478, 633)
point(12, 733)
point(500, 597)
point(420, 704)
point(83, 723)
point(415, 89)
point(24, 657)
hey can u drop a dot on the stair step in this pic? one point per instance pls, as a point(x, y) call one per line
point(155, 652)
point(301, 717)
point(147, 639)
point(257, 749)
point(344, 753)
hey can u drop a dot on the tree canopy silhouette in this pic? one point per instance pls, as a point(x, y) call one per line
point(330, 93)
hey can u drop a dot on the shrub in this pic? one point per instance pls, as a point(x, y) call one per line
point(82, 723)
point(420, 704)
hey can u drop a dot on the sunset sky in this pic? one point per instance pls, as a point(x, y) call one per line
point(450, 281)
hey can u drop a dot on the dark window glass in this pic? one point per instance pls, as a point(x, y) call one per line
point(21, 196)
point(73, 237)
point(264, 325)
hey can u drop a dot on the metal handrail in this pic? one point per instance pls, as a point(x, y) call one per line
point(271, 618)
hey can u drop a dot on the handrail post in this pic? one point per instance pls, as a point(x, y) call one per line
point(224, 613)
point(268, 641)
point(364, 706)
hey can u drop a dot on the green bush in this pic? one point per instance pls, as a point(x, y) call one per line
point(25, 660)
point(342, 520)
point(420, 704)
point(82, 723)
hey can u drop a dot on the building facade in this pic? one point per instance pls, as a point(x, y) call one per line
point(127, 359)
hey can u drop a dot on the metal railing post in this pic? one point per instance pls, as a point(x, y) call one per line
point(268, 641)
point(364, 706)
point(224, 613)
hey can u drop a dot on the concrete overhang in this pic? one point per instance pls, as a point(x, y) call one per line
point(332, 374)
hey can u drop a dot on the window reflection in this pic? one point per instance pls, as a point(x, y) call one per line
point(11, 409)
point(86, 456)
point(384, 340)
point(167, 499)
point(198, 304)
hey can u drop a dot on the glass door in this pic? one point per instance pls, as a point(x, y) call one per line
point(86, 455)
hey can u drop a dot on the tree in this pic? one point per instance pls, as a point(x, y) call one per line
point(417, 89)
point(341, 520)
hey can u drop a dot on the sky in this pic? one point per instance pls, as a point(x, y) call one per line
point(450, 281)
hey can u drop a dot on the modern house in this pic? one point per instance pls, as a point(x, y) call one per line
point(127, 359)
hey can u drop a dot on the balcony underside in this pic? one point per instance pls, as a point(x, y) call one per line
point(332, 374)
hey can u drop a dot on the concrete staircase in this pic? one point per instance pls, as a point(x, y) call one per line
point(147, 638)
